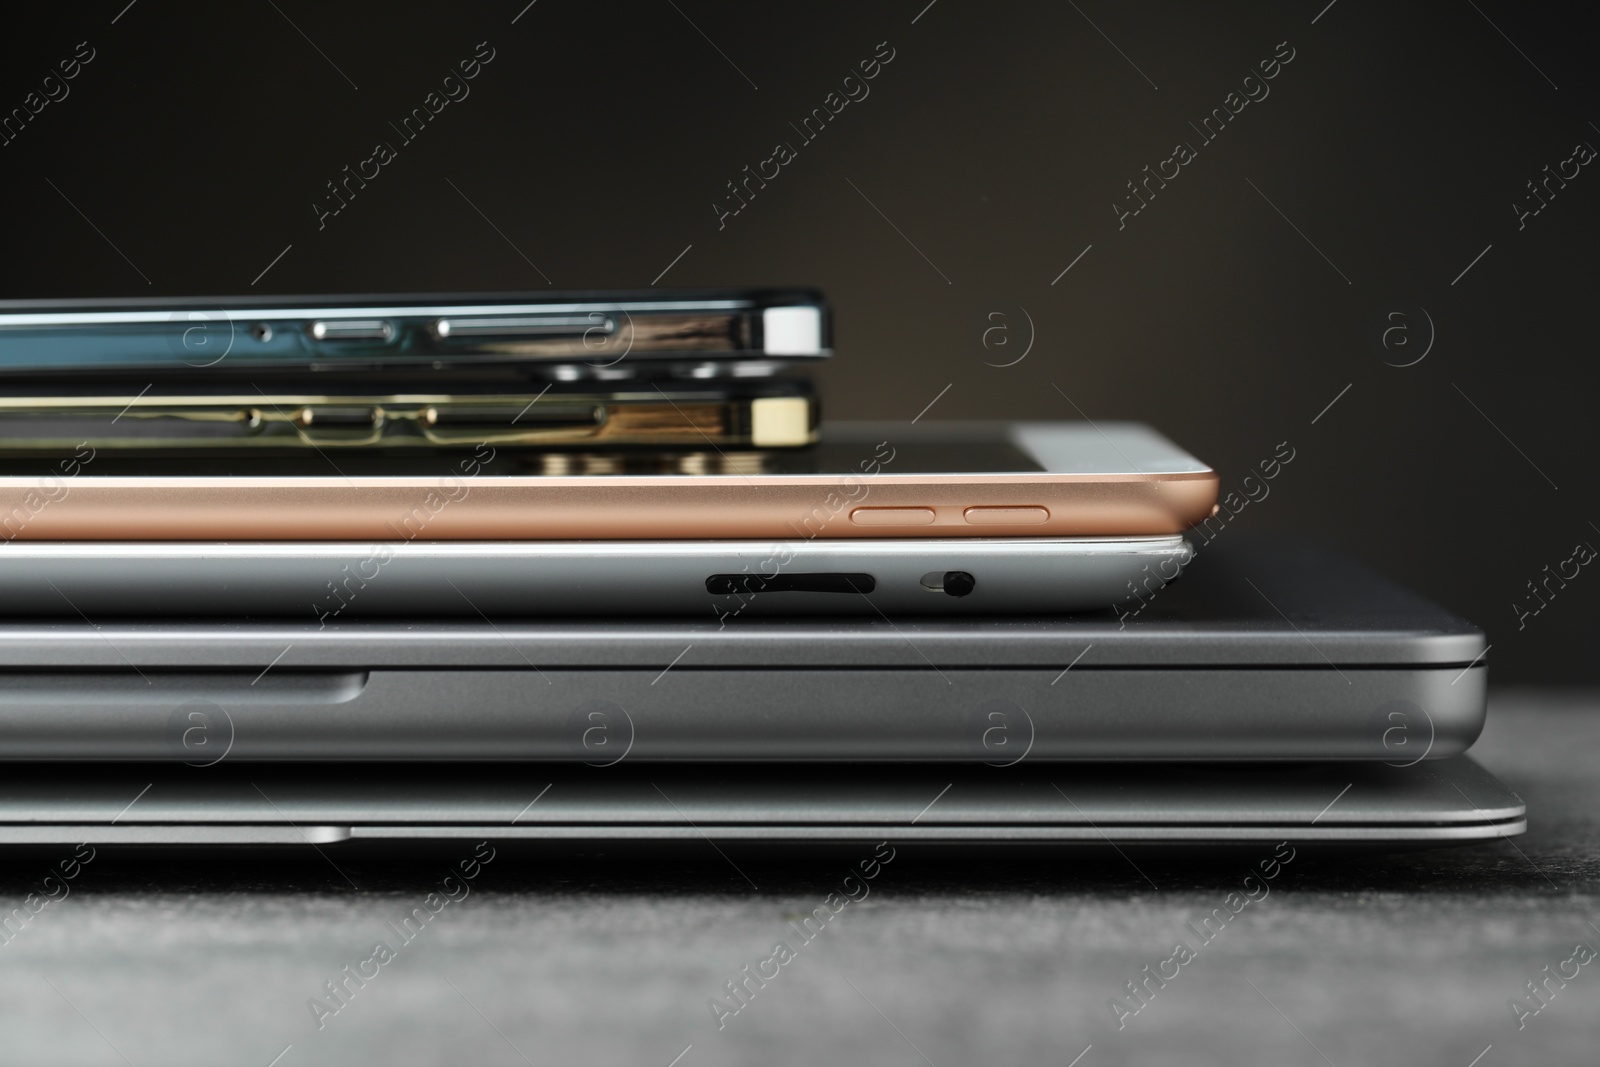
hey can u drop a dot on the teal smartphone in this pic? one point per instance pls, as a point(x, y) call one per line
point(562, 336)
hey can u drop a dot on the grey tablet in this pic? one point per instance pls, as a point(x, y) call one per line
point(1440, 802)
point(331, 580)
point(1259, 652)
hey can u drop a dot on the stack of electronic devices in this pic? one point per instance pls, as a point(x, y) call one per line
point(588, 566)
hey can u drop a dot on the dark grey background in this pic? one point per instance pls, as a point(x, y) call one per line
point(1249, 294)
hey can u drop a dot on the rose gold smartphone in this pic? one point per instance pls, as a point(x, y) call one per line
point(409, 414)
point(979, 479)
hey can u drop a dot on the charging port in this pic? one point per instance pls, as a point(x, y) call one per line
point(725, 584)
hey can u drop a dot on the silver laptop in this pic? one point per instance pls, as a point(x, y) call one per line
point(1258, 653)
point(1440, 802)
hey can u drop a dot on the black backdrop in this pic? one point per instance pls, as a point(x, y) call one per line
point(1363, 206)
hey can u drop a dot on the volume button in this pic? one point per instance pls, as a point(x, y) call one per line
point(892, 516)
point(990, 515)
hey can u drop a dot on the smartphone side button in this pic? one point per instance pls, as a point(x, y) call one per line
point(352, 330)
point(987, 515)
point(892, 516)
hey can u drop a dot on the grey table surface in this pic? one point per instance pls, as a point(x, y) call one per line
point(579, 955)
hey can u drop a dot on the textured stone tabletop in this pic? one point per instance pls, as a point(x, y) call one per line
point(567, 956)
